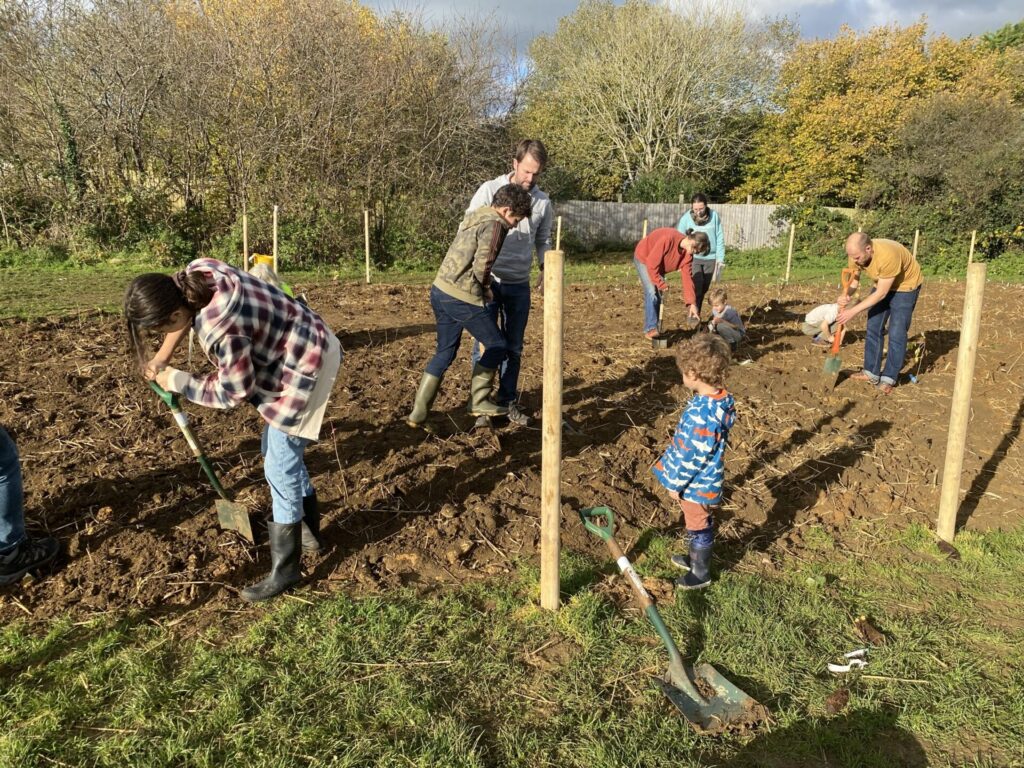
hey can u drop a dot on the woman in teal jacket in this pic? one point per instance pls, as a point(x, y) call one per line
point(701, 218)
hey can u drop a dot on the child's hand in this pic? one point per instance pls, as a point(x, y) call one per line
point(163, 377)
point(153, 367)
point(488, 295)
point(674, 495)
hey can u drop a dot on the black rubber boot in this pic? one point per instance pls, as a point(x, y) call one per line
point(285, 549)
point(30, 555)
point(424, 401)
point(480, 403)
point(699, 575)
point(311, 524)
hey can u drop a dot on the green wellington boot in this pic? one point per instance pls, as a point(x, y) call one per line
point(480, 403)
point(425, 396)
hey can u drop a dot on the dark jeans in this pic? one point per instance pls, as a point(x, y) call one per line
point(452, 317)
point(703, 270)
point(511, 311)
point(896, 309)
point(12, 511)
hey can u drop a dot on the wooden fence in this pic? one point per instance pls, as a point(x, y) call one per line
point(621, 224)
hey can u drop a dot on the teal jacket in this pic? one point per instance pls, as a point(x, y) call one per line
point(713, 229)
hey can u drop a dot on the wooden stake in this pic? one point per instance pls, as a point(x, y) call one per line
point(366, 240)
point(645, 230)
point(558, 234)
point(949, 500)
point(551, 450)
point(245, 238)
point(970, 255)
point(917, 235)
point(275, 241)
point(789, 256)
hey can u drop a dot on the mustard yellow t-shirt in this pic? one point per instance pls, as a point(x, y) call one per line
point(891, 259)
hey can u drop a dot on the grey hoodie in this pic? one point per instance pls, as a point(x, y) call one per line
point(516, 256)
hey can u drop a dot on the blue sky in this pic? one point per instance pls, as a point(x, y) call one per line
point(816, 18)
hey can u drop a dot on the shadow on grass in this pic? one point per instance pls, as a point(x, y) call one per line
point(859, 739)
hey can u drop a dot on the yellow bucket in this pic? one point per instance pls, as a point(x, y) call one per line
point(261, 259)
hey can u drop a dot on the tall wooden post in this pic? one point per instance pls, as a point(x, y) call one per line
point(789, 256)
point(970, 254)
point(366, 241)
point(558, 234)
point(245, 238)
point(551, 448)
point(645, 230)
point(917, 236)
point(949, 500)
point(275, 240)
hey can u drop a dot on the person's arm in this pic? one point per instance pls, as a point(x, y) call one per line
point(654, 256)
point(489, 238)
point(881, 289)
point(163, 356)
point(689, 291)
point(826, 329)
point(232, 383)
point(719, 241)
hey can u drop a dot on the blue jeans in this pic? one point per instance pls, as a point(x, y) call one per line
point(452, 317)
point(896, 309)
point(510, 311)
point(652, 297)
point(12, 510)
point(285, 470)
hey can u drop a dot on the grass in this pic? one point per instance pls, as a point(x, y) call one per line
point(35, 289)
point(478, 676)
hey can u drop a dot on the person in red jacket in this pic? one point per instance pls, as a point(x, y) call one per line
point(665, 250)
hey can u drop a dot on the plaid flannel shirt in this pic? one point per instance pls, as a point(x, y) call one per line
point(267, 347)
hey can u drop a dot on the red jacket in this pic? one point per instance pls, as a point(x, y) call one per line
point(660, 253)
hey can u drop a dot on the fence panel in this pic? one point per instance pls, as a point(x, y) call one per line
point(621, 224)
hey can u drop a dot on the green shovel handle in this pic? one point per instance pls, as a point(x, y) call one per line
point(173, 403)
point(590, 518)
point(171, 398)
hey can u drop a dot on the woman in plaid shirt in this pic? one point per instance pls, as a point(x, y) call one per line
point(269, 350)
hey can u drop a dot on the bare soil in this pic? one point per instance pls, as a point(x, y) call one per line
point(108, 473)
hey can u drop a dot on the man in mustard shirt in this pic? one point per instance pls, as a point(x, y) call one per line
point(897, 277)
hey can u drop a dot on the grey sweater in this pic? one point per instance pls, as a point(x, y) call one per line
point(516, 256)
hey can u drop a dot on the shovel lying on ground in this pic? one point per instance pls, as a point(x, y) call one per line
point(834, 363)
point(231, 515)
point(708, 701)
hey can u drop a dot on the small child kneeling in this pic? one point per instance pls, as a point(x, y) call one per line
point(692, 467)
point(820, 323)
point(725, 321)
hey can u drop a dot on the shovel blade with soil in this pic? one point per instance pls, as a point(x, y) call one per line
point(701, 694)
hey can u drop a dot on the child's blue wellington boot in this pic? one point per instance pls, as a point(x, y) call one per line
point(699, 575)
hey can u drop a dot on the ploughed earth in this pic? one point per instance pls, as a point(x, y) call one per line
point(107, 471)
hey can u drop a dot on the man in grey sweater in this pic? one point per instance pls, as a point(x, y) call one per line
point(511, 271)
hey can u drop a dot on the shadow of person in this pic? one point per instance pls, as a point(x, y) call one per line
point(801, 486)
point(937, 344)
point(981, 481)
point(858, 739)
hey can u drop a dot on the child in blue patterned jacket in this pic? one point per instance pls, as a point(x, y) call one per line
point(692, 467)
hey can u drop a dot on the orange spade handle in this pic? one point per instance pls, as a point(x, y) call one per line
point(847, 278)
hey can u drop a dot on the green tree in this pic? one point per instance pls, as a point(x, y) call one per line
point(845, 99)
point(1008, 36)
point(621, 93)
